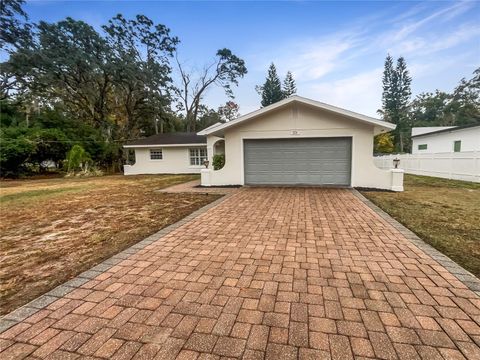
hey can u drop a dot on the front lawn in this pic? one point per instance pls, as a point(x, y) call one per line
point(444, 213)
point(51, 230)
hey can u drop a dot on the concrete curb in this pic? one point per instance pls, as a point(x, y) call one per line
point(466, 277)
point(41, 302)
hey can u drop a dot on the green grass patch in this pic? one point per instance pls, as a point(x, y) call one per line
point(42, 194)
point(417, 180)
point(444, 213)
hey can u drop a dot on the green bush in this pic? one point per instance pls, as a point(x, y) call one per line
point(77, 159)
point(218, 161)
point(15, 150)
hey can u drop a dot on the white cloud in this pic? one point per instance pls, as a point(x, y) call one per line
point(444, 14)
point(426, 44)
point(314, 59)
point(361, 93)
point(344, 68)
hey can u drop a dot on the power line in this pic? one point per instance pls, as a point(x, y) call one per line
point(70, 141)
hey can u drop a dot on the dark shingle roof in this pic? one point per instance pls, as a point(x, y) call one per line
point(170, 139)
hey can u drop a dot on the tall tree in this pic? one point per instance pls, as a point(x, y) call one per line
point(466, 100)
point(289, 86)
point(14, 29)
point(117, 81)
point(15, 32)
point(271, 90)
point(387, 83)
point(224, 72)
point(461, 107)
point(207, 117)
point(431, 109)
point(395, 99)
point(141, 52)
point(68, 62)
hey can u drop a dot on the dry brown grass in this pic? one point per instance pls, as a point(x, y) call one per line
point(51, 230)
point(444, 213)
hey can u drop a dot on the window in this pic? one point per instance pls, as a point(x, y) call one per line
point(198, 156)
point(457, 146)
point(422, 147)
point(130, 157)
point(156, 154)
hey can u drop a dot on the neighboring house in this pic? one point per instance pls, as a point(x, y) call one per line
point(450, 152)
point(171, 153)
point(445, 139)
point(296, 141)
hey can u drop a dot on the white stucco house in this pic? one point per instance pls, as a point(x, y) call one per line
point(171, 153)
point(296, 141)
point(445, 139)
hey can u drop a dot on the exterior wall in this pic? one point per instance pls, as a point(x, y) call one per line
point(443, 142)
point(176, 160)
point(458, 166)
point(300, 121)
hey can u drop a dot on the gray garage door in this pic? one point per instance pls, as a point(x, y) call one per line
point(312, 161)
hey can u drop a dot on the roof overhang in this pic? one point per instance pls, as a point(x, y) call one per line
point(448, 129)
point(377, 123)
point(163, 145)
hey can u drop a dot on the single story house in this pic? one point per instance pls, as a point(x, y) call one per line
point(445, 139)
point(171, 153)
point(296, 141)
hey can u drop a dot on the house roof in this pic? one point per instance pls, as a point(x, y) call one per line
point(169, 139)
point(447, 129)
point(298, 99)
point(419, 130)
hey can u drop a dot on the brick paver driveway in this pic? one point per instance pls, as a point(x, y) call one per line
point(268, 273)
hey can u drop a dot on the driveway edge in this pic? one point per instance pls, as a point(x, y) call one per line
point(465, 276)
point(41, 302)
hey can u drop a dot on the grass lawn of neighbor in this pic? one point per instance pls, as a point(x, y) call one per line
point(444, 213)
point(51, 230)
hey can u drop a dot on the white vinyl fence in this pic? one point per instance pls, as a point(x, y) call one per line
point(459, 166)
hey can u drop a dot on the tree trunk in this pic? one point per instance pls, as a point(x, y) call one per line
point(188, 120)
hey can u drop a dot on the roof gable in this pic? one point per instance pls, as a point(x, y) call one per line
point(298, 99)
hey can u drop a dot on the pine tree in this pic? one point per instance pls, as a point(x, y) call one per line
point(403, 83)
point(271, 90)
point(289, 87)
point(387, 86)
point(395, 99)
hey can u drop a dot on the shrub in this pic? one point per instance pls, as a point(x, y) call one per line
point(77, 159)
point(15, 151)
point(383, 143)
point(218, 161)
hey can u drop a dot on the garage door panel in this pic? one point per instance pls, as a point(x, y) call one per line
point(318, 161)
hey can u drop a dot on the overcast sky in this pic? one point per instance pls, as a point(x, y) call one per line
point(335, 50)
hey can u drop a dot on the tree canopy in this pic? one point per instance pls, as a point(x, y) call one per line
point(395, 99)
point(289, 87)
point(438, 108)
point(224, 71)
point(273, 90)
point(461, 107)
